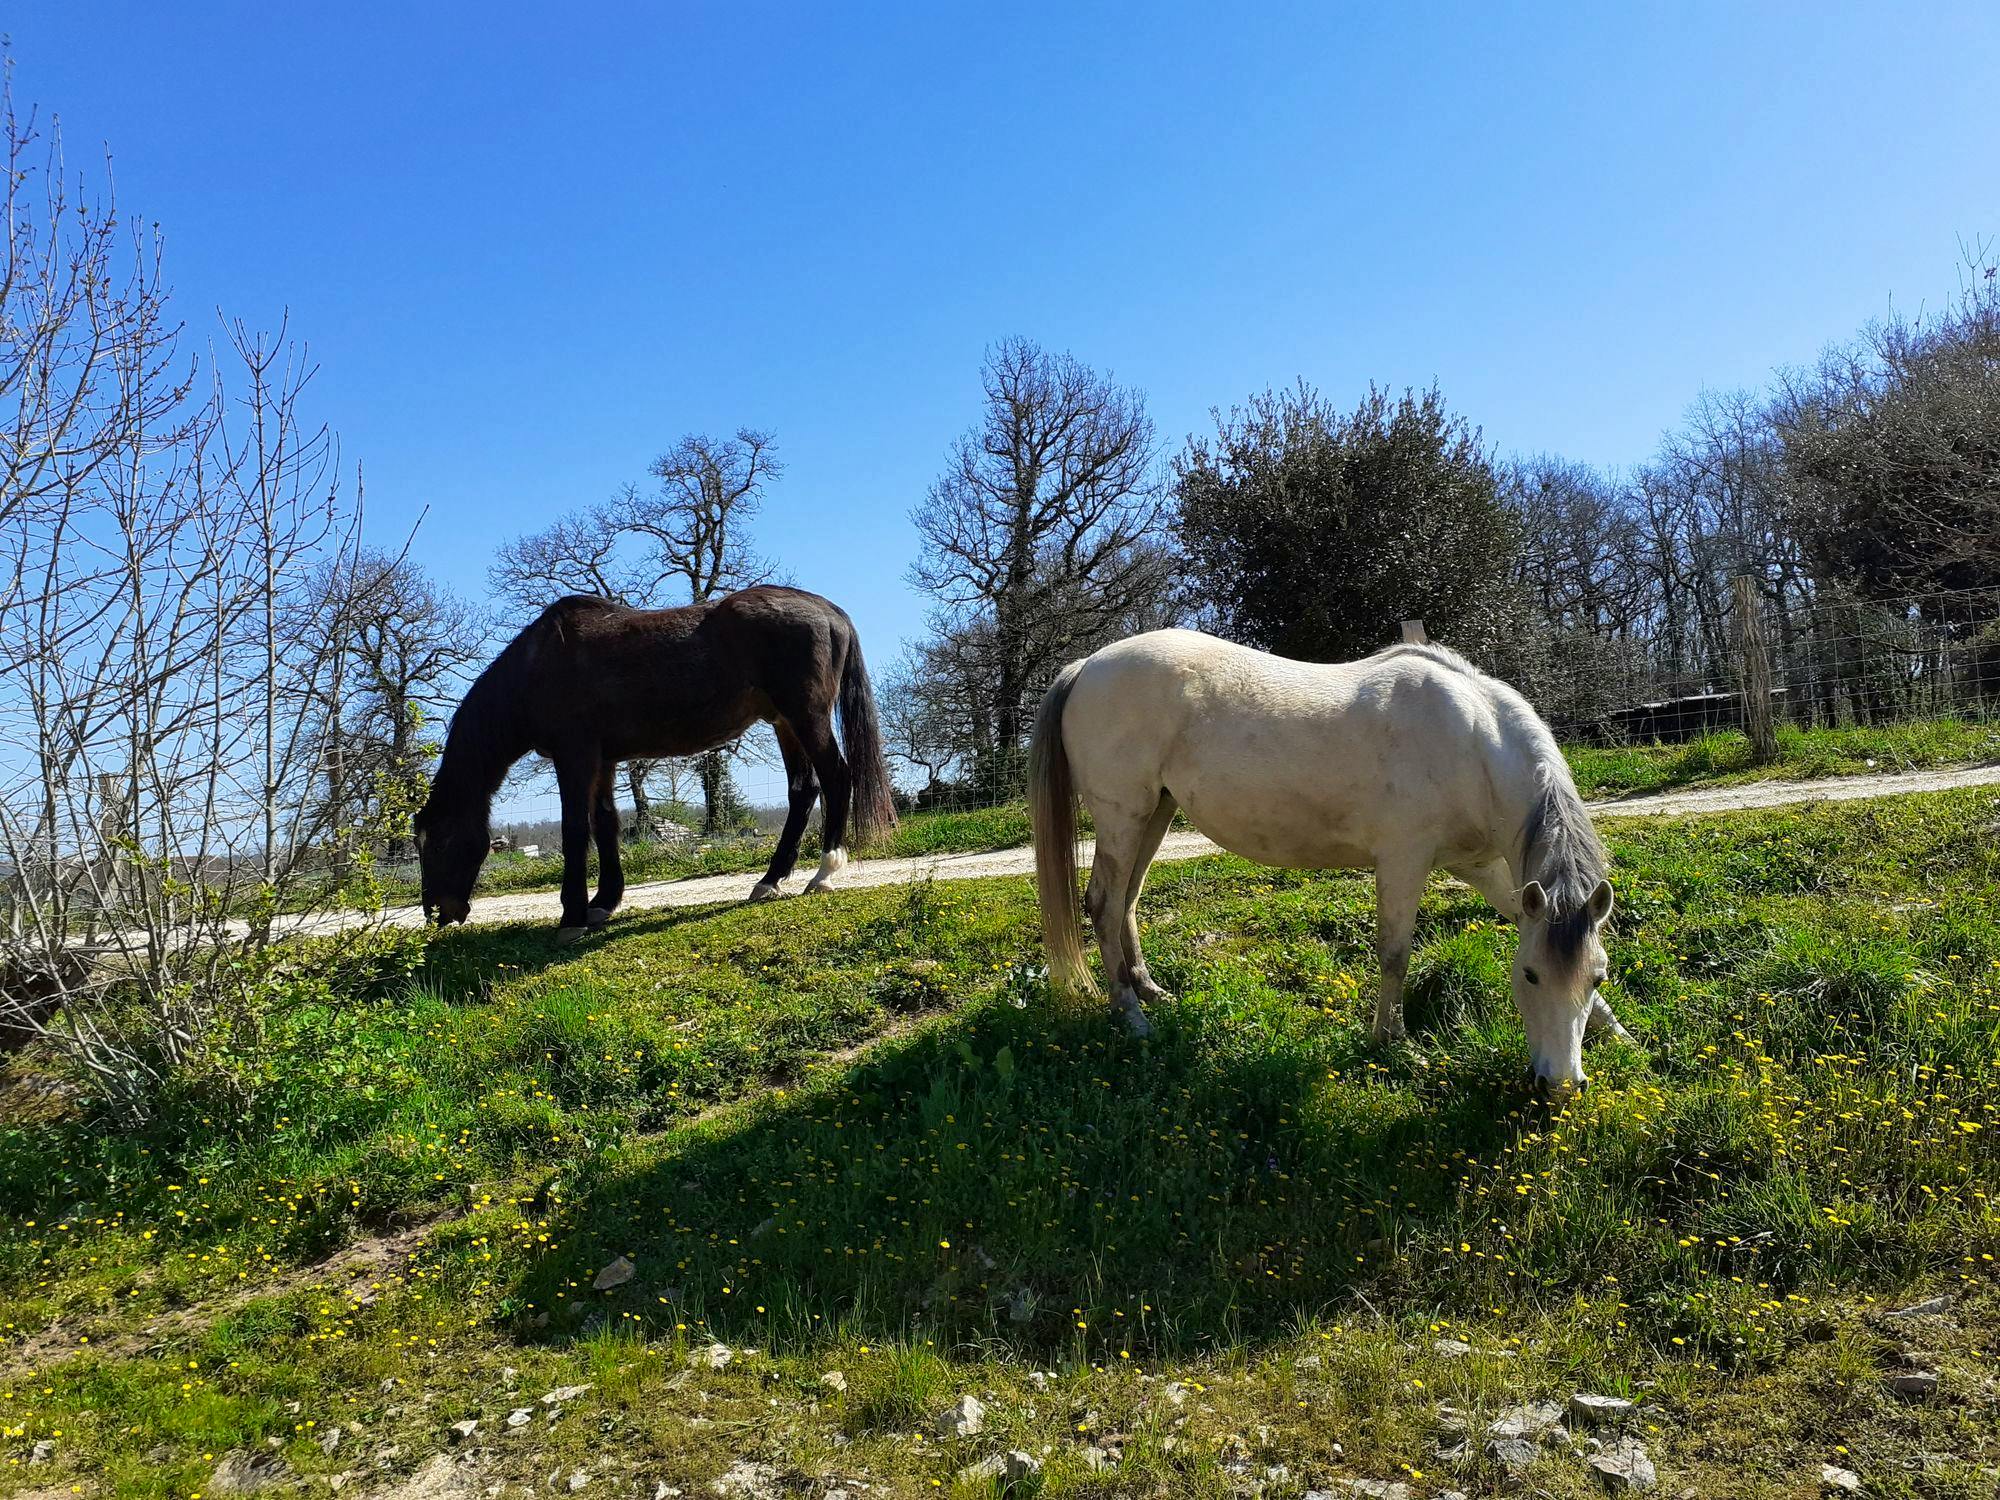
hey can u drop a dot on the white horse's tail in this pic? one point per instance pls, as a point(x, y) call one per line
point(1052, 809)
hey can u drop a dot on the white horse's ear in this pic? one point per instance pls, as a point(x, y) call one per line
point(1600, 902)
point(1534, 902)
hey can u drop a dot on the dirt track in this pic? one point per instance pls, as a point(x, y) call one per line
point(532, 906)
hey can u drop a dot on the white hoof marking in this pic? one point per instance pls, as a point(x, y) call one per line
point(834, 861)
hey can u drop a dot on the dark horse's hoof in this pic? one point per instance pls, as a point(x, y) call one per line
point(763, 890)
point(568, 935)
point(596, 916)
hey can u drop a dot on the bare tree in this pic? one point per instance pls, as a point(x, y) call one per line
point(1042, 524)
point(685, 541)
point(698, 518)
point(404, 646)
point(162, 522)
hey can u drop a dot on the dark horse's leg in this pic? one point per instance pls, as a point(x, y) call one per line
point(835, 788)
point(576, 778)
point(802, 788)
point(610, 867)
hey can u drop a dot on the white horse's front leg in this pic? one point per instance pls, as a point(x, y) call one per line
point(1601, 1020)
point(1398, 889)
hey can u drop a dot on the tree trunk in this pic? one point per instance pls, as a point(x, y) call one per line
point(713, 768)
point(642, 809)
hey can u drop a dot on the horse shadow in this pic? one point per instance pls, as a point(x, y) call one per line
point(462, 961)
point(1033, 1179)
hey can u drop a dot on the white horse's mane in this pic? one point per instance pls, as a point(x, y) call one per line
point(1559, 843)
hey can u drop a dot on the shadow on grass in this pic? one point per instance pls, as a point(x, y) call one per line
point(1036, 1180)
point(460, 961)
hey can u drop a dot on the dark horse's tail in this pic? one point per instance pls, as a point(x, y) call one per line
point(872, 808)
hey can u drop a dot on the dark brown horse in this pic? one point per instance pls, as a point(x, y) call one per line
point(592, 683)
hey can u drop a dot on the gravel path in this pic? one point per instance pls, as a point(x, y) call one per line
point(530, 906)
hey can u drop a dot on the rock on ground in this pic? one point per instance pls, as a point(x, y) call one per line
point(1625, 1465)
point(1530, 1420)
point(1836, 1478)
point(1596, 1411)
point(1914, 1385)
point(965, 1417)
point(616, 1274)
point(248, 1474)
point(748, 1480)
point(1013, 1466)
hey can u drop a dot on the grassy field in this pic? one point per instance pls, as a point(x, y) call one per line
point(1803, 754)
point(856, 1144)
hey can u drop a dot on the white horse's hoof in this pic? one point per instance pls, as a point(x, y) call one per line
point(596, 916)
point(763, 890)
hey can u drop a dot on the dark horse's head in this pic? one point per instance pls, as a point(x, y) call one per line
point(452, 841)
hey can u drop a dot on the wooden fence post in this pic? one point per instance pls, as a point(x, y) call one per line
point(1413, 633)
point(1754, 668)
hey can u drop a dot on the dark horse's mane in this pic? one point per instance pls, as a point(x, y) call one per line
point(486, 735)
point(1561, 849)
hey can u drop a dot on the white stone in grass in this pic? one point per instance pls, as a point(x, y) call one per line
point(1451, 1348)
point(577, 1480)
point(519, 1417)
point(1378, 1489)
point(714, 1357)
point(562, 1394)
point(1595, 1411)
point(616, 1274)
point(462, 1431)
point(748, 1480)
point(1836, 1478)
point(1625, 1465)
point(1532, 1419)
point(1013, 1466)
point(834, 1380)
point(965, 1417)
point(1512, 1453)
point(1930, 1307)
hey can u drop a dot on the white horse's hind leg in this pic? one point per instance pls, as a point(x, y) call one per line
point(1399, 886)
point(1149, 845)
point(1112, 869)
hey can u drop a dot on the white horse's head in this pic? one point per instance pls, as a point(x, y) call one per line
point(1558, 966)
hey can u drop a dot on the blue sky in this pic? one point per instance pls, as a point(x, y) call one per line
point(530, 246)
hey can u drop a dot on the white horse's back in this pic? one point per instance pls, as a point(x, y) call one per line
point(1291, 763)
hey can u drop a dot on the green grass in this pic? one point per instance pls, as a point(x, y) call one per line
point(857, 1135)
point(1724, 758)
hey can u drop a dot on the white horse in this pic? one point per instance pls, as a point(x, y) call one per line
point(1408, 761)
